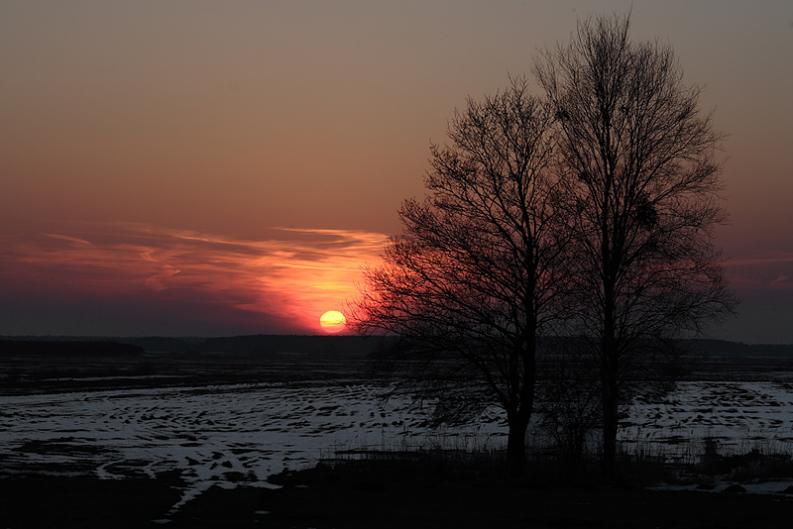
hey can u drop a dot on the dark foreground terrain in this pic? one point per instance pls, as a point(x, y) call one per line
point(40, 365)
point(31, 365)
point(367, 497)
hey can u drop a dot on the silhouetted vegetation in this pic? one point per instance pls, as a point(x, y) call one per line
point(68, 349)
point(480, 270)
point(587, 213)
point(640, 185)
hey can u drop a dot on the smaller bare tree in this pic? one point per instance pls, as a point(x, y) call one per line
point(478, 271)
point(641, 182)
point(568, 397)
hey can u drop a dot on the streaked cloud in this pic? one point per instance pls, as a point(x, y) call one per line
point(760, 272)
point(293, 274)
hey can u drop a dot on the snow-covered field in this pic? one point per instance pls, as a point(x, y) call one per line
point(738, 416)
point(244, 433)
point(215, 434)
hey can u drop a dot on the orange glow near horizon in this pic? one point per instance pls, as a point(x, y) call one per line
point(291, 275)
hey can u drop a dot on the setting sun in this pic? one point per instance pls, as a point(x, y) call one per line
point(332, 321)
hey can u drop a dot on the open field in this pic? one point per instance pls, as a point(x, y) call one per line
point(198, 424)
point(233, 435)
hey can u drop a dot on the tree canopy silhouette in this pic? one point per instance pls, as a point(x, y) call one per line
point(586, 213)
point(479, 270)
point(640, 182)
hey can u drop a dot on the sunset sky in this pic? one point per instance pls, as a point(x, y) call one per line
point(215, 168)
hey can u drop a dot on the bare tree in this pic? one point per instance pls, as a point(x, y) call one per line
point(477, 273)
point(568, 397)
point(641, 181)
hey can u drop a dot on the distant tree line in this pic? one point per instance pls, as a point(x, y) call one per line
point(573, 225)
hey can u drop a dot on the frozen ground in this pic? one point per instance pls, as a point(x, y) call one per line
point(244, 433)
point(738, 416)
point(220, 434)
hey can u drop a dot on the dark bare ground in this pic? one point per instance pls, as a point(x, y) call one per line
point(84, 502)
point(365, 496)
point(463, 507)
point(350, 497)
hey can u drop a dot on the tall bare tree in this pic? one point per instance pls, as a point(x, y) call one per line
point(641, 180)
point(478, 270)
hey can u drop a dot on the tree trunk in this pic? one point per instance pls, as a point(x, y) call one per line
point(610, 403)
point(516, 445)
point(610, 424)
